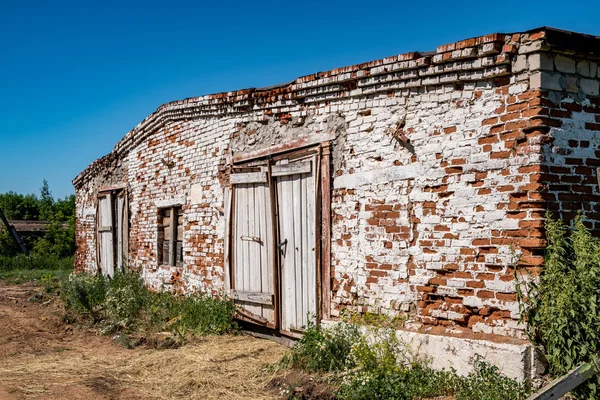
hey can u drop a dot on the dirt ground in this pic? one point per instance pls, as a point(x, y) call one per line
point(43, 358)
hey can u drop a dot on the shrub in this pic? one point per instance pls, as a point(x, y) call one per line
point(123, 303)
point(198, 314)
point(84, 294)
point(377, 365)
point(125, 298)
point(323, 349)
point(486, 383)
point(562, 310)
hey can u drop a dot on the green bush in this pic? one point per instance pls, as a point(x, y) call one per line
point(125, 298)
point(84, 294)
point(377, 365)
point(124, 303)
point(322, 349)
point(562, 309)
point(198, 314)
point(486, 383)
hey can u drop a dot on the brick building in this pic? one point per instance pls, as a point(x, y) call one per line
point(408, 185)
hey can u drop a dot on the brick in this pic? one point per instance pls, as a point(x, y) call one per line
point(590, 87)
point(564, 64)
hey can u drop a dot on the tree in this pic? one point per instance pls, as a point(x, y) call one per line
point(46, 202)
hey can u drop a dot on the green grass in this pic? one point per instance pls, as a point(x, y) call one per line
point(22, 268)
point(19, 276)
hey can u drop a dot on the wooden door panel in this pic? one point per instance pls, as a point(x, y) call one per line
point(253, 279)
point(105, 235)
point(297, 221)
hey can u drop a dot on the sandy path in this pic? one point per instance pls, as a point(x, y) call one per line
point(42, 358)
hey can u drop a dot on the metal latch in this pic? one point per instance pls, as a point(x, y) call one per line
point(280, 245)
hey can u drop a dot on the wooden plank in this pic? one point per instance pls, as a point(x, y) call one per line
point(251, 239)
point(282, 148)
point(253, 297)
point(305, 249)
point(259, 206)
point(563, 385)
point(279, 339)
point(266, 258)
point(106, 236)
point(118, 186)
point(273, 238)
point(105, 229)
point(283, 187)
point(311, 223)
point(297, 248)
point(241, 230)
point(301, 167)
point(245, 315)
point(248, 177)
point(254, 269)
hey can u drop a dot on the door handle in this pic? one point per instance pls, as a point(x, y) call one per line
point(280, 246)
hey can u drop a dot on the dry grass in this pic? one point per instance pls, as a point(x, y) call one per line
point(227, 367)
point(42, 359)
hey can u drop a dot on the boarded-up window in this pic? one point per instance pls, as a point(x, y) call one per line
point(170, 236)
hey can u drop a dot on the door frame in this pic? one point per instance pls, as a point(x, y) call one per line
point(292, 150)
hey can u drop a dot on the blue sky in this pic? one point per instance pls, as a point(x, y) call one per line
point(75, 76)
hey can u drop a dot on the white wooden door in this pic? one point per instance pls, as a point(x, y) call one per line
point(296, 198)
point(105, 235)
point(253, 283)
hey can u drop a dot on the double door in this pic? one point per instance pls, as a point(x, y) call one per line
point(274, 242)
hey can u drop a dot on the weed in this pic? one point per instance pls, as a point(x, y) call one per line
point(486, 383)
point(376, 364)
point(84, 294)
point(124, 304)
point(562, 309)
point(322, 349)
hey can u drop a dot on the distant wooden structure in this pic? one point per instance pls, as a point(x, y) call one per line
point(30, 226)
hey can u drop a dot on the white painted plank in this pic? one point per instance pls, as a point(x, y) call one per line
point(106, 238)
point(286, 219)
point(259, 201)
point(300, 167)
point(312, 244)
point(267, 256)
point(253, 250)
point(253, 297)
point(297, 248)
point(248, 177)
point(305, 249)
point(239, 232)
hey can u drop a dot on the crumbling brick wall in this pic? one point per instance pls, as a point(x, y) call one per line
point(443, 167)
